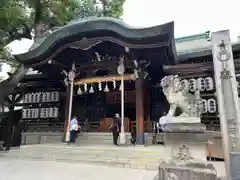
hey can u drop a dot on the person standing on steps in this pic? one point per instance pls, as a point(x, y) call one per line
point(73, 128)
point(115, 128)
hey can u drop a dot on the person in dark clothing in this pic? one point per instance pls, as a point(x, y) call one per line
point(116, 128)
point(133, 135)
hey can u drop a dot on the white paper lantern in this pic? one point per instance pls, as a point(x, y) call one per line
point(36, 113)
point(201, 84)
point(27, 113)
point(212, 106)
point(205, 106)
point(42, 113)
point(24, 112)
point(45, 115)
point(31, 113)
point(192, 85)
point(48, 97)
point(57, 95)
point(25, 99)
point(34, 97)
point(209, 83)
point(30, 98)
point(41, 97)
point(55, 112)
point(50, 112)
point(38, 97)
point(44, 97)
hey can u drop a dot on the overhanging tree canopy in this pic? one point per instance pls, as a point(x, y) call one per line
point(19, 18)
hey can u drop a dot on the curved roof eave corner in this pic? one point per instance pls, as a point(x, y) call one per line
point(172, 50)
point(97, 24)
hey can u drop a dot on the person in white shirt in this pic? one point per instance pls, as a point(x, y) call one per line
point(73, 128)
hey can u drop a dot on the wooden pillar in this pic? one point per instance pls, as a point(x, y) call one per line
point(139, 111)
point(66, 106)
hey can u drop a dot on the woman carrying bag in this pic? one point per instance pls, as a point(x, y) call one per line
point(73, 130)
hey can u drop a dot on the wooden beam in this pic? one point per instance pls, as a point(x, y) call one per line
point(109, 64)
point(194, 67)
point(104, 79)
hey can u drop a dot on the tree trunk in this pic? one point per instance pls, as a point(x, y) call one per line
point(9, 128)
point(38, 35)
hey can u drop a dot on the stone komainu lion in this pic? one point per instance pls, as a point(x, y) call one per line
point(178, 96)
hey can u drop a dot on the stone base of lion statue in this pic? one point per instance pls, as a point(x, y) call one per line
point(185, 153)
point(188, 171)
point(182, 124)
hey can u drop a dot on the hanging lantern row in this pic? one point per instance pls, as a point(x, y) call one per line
point(34, 113)
point(209, 106)
point(41, 97)
point(200, 84)
point(100, 88)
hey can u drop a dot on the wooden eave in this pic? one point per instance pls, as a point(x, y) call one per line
point(195, 68)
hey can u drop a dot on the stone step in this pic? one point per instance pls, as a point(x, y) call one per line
point(104, 156)
point(132, 157)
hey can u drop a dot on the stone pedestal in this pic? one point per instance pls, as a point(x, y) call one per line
point(185, 152)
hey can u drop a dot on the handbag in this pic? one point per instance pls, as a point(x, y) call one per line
point(75, 127)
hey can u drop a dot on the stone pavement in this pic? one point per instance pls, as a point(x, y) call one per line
point(141, 162)
point(43, 170)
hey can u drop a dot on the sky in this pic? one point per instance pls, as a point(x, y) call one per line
point(190, 16)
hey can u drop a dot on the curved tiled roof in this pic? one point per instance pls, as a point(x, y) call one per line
point(79, 29)
point(196, 46)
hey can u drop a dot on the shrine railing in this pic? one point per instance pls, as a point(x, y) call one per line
point(91, 126)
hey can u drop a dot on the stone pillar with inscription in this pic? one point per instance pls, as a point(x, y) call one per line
point(228, 104)
point(184, 137)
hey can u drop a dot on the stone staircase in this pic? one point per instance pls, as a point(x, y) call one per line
point(84, 138)
point(147, 158)
point(98, 139)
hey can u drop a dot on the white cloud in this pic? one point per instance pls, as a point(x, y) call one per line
point(190, 16)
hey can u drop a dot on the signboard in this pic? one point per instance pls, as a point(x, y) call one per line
point(115, 97)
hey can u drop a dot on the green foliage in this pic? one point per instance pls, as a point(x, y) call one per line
point(19, 17)
point(113, 8)
point(12, 19)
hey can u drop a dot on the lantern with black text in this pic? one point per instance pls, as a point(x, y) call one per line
point(24, 113)
point(192, 85)
point(205, 106)
point(212, 106)
point(55, 112)
point(30, 98)
point(209, 83)
point(50, 112)
point(48, 96)
point(201, 84)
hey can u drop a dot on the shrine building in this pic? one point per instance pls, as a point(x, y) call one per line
point(94, 48)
